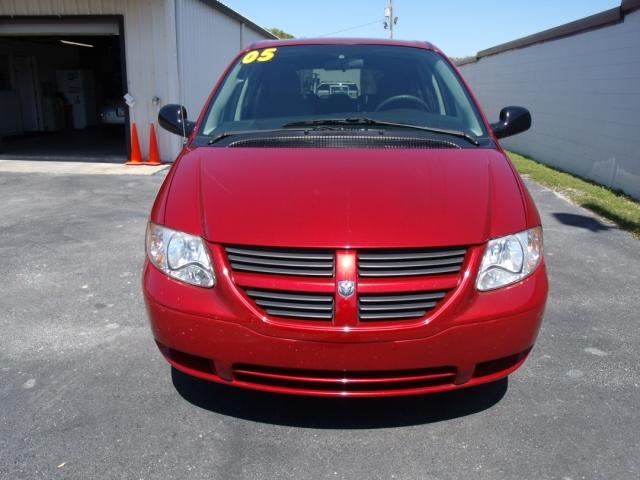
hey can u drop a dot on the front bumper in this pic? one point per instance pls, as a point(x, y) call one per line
point(474, 338)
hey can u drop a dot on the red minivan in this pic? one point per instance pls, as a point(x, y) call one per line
point(366, 241)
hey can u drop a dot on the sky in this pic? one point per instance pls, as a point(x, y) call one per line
point(458, 27)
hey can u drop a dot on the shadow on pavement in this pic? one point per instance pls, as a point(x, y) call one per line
point(628, 221)
point(336, 413)
point(581, 221)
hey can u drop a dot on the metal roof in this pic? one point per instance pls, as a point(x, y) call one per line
point(240, 18)
point(599, 20)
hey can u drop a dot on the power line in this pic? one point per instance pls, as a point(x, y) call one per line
point(350, 28)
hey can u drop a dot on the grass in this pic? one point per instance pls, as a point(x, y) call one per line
point(614, 205)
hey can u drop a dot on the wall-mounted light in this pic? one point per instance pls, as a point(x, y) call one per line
point(77, 44)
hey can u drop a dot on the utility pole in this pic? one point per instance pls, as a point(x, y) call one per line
point(389, 20)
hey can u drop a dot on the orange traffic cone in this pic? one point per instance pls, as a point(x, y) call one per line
point(154, 156)
point(136, 156)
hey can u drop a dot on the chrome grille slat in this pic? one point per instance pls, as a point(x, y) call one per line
point(405, 305)
point(397, 306)
point(412, 262)
point(288, 263)
point(285, 305)
point(411, 255)
point(402, 298)
point(299, 314)
point(282, 261)
point(281, 271)
point(294, 305)
point(286, 296)
point(258, 252)
point(407, 272)
point(385, 316)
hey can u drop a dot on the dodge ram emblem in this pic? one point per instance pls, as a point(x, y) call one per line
point(346, 288)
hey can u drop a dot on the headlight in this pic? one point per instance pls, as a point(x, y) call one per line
point(510, 259)
point(179, 255)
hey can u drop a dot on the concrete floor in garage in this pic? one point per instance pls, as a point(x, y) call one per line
point(104, 144)
point(84, 393)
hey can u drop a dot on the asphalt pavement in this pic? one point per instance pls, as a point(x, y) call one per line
point(85, 394)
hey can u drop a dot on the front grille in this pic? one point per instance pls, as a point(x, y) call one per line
point(344, 141)
point(298, 284)
point(312, 306)
point(401, 263)
point(397, 306)
point(282, 261)
point(344, 382)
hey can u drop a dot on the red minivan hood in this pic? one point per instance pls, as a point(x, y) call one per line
point(347, 197)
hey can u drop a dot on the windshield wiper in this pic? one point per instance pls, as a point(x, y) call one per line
point(355, 121)
point(231, 133)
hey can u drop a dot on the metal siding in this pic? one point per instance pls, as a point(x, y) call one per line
point(251, 36)
point(584, 95)
point(150, 51)
point(207, 41)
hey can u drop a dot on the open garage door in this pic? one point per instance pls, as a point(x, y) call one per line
point(61, 87)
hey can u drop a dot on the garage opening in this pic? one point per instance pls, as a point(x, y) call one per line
point(61, 88)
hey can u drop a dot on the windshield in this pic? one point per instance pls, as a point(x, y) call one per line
point(271, 87)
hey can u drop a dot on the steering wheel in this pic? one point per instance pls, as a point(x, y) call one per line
point(399, 98)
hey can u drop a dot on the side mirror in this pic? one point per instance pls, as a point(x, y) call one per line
point(173, 118)
point(513, 120)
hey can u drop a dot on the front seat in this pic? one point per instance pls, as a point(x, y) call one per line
point(281, 96)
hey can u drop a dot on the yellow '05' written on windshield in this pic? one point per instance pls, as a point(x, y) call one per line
point(265, 55)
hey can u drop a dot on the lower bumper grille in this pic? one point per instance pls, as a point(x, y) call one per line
point(344, 382)
point(397, 306)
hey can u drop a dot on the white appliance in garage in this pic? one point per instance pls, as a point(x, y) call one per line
point(78, 88)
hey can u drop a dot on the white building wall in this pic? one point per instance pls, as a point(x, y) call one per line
point(150, 52)
point(207, 41)
point(583, 92)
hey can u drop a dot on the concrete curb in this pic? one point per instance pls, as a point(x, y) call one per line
point(78, 168)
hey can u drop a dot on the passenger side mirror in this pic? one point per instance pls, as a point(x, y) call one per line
point(513, 120)
point(173, 118)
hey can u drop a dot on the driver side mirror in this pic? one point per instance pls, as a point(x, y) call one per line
point(173, 118)
point(513, 120)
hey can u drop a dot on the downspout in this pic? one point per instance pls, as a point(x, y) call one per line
point(173, 6)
